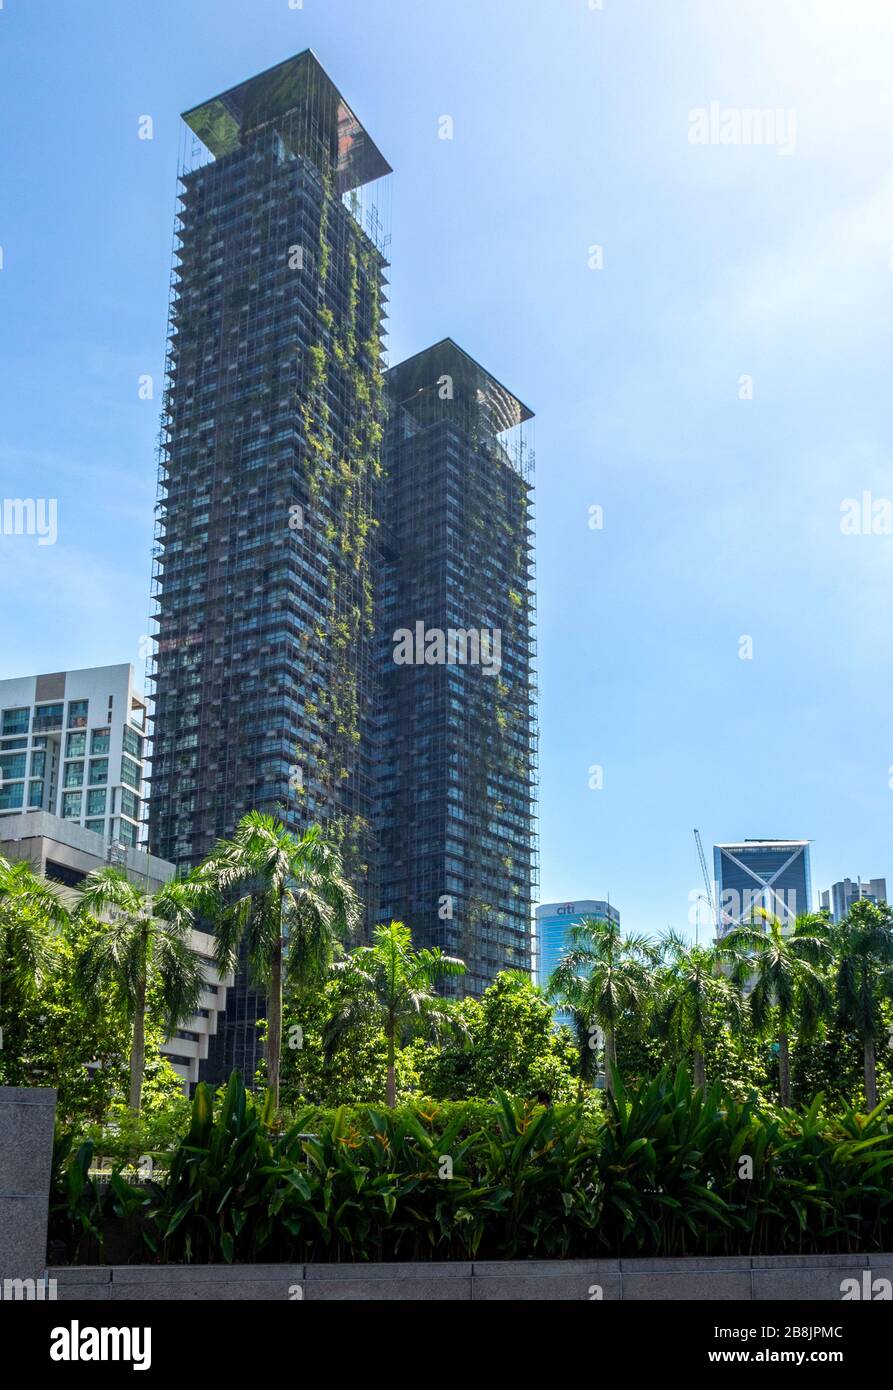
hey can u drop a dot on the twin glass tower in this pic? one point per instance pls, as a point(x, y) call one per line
point(343, 568)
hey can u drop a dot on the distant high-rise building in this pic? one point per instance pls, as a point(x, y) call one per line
point(553, 925)
point(839, 898)
point(269, 471)
point(753, 876)
point(457, 732)
point(345, 617)
point(72, 744)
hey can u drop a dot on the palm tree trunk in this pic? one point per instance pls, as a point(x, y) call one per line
point(274, 1021)
point(784, 1068)
point(699, 1077)
point(870, 1074)
point(138, 1047)
point(392, 1073)
point(610, 1059)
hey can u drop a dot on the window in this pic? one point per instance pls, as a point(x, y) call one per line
point(130, 804)
point(75, 745)
point(96, 801)
point(47, 718)
point(9, 745)
point(99, 770)
point(126, 833)
point(35, 795)
point(64, 873)
point(71, 805)
point(132, 743)
point(99, 740)
point(12, 794)
point(130, 773)
point(97, 826)
point(74, 775)
point(12, 765)
point(77, 714)
point(15, 721)
point(38, 764)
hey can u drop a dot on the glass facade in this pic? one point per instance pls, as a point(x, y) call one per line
point(457, 749)
point(16, 721)
point(125, 832)
point(553, 925)
point(47, 718)
point(75, 745)
point(99, 770)
point(12, 765)
point(74, 775)
point(761, 875)
point(130, 773)
point(77, 714)
point(132, 743)
point(12, 795)
point(271, 462)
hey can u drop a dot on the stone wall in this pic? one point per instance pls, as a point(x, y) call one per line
point(740, 1279)
point(26, 1154)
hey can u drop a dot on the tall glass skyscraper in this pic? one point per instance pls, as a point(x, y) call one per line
point(270, 468)
point(457, 735)
point(294, 540)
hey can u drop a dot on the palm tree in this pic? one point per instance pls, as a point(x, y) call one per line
point(31, 908)
point(143, 947)
point(603, 977)
point(783, 966)
point(285, 899)
point(584, 1035)
point(864, 976)
point(392, 985)
point(691, 989)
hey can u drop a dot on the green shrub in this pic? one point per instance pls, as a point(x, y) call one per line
point(664, 1170)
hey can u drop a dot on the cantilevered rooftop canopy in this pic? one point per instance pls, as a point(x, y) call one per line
point(419, 376)
point(301, 102)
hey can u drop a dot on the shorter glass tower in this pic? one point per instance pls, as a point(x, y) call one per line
point(553, 924)
point(456, 762)
point(754, 876)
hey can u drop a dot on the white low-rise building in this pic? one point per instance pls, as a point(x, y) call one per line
point(66, 852)
point(73, 744)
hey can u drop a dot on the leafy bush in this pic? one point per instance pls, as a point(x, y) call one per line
point(664, 1171)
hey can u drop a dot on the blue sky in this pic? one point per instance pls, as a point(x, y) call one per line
point(722, 516)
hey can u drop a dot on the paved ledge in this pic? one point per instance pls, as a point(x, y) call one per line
point(742, 1278)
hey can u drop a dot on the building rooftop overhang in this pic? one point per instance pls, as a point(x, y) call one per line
point(757, 844)
point(221, 122)
point(422, 372)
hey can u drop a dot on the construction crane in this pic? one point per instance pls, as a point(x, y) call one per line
point(707, 884)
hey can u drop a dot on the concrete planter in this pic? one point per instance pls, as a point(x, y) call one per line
point(26, 1155)
point(742, 1279)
